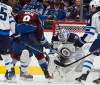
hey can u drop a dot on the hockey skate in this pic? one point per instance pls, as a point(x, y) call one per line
point(83, 77)
point(47, 74)
point(25, 76)
point(10, 76)
point(97, 81)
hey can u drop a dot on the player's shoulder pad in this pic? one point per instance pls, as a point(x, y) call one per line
point(95, 15)
point(9, 8)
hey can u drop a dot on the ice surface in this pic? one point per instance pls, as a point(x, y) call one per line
point(70, 76)
point(40, 80)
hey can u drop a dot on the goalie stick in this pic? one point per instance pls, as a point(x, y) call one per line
point(66, 65)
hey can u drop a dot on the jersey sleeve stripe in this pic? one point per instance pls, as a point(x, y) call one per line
point(91, 33)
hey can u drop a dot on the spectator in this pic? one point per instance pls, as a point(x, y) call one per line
point(36, 5)
point(13, 3)
point(56, 9)
point(75, 11)
point(18, 5)
point(67, 8)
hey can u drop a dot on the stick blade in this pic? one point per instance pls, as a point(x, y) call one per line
point(59, 63)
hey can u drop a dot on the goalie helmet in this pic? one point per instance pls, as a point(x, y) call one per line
point(95, 3)
point(63, 35)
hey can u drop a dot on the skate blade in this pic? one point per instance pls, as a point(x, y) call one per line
point(10, 81)
point(79, 82)
point(26, 79)
point(49, 80)
point(65, 83)
point(13, 80)
point(82, 82)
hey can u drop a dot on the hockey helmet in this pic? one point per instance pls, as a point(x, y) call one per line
point(63, 35)
point(94, 3)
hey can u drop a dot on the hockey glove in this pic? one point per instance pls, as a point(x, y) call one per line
point(16, 37)
point(45, 43)
point(79, 42)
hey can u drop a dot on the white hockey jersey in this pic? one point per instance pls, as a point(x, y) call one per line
point(7, 21)
point(96, 22)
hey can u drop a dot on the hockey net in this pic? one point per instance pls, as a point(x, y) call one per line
point(71, 26)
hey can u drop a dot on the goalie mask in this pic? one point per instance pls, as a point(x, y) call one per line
point(63, 35)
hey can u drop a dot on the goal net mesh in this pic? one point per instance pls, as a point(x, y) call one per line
point(71, 26)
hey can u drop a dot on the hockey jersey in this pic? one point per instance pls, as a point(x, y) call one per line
point(96, 21)
point(28, 21)
point(6, 19)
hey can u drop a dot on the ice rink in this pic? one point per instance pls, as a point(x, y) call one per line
point(40, 80)
point(68, 76)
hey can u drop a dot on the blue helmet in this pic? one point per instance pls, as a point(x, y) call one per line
point(33, 5)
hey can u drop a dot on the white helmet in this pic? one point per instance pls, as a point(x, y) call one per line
point(94, 3)
point(63, 35)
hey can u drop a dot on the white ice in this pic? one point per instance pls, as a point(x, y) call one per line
point(40, 80)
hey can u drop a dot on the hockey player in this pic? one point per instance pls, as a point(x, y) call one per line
point(7, 24)
point(65, 37)
point(29, 26)
point(88, 63)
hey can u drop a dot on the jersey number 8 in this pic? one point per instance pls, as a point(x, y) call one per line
point(26, 18)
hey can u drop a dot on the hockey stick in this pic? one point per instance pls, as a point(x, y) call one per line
point(47, 57)
point(66, 65)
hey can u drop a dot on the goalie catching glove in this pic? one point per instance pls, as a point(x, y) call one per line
point(79, 42)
